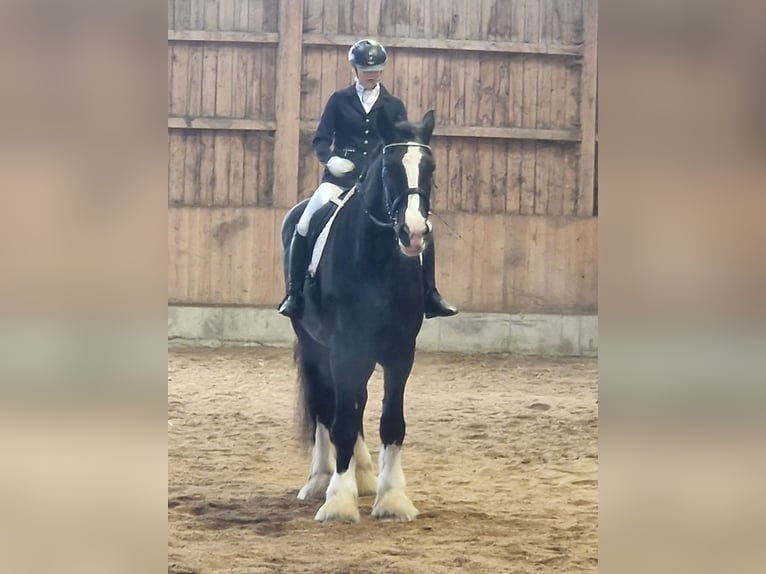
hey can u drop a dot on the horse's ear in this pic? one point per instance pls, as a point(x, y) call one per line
point(427, 126)
point(386, 127)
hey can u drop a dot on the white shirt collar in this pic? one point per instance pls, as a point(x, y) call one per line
point(367, 97)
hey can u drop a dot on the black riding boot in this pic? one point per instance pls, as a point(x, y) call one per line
point(292, 306)
point(434, 304)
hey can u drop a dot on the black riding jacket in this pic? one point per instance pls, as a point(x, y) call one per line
point(346, 130)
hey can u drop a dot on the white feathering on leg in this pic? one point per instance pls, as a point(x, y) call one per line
point(322, 465)
point(365, 473)
point(342, 496)
point(391, 500)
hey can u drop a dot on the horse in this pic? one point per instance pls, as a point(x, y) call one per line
point(364, 307)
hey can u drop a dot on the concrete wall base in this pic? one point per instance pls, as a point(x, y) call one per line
point(523, 334)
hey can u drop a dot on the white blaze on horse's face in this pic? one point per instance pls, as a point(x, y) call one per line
point(416, 223)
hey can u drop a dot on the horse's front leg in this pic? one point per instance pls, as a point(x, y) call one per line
point(350, 374)
point(391, 500)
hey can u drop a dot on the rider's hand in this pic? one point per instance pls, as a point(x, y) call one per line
point(339, 166)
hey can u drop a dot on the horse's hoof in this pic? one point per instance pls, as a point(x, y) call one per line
point(366, 483)
point(394, 505)
point(338, 509)
point(316, 486)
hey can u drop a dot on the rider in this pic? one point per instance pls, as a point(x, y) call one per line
point(344, 140)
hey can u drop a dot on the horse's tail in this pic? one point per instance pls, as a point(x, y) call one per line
point(305, 418)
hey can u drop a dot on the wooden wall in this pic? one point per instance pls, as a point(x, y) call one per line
point(513, 86)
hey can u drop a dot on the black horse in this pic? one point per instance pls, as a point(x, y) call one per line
point(364, 307)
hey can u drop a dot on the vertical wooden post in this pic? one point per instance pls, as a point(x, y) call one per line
point(588, 107)
point(288, 102)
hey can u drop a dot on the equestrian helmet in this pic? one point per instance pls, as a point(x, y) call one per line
point(367, 56)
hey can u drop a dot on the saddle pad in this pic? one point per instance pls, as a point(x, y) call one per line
point(316, 254)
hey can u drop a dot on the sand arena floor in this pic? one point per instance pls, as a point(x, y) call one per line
point(501, 460)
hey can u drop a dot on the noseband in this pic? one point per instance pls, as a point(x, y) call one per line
point(392, 207)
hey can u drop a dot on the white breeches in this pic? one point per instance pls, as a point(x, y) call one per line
point(324, 193)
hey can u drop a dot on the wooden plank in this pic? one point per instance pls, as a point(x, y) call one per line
point(556, 181)
point(224, 79)
point(499, 187)
point(454, 250)
point(197, 15)
point(205, 123)
point(255, 87)
point(417, 19)
point(441, 174)
point(359, 18)
point(443, 76)
point(400, 10)
point(544, 89)
point(266, 171)
point(222, 166)
point(223, 37)
point(236, 170)
point(458, 29)
point(529, 104)
point(330, 17)
point(527, 178)
point(401, 75)
point(207, 173)
point(571, 180)
point(425, 64)
point(268, 57)
point(518, 21)
point(488, 263)
point(472, 87)
point(484, 191)
point(311, 103)
point(469, 182)
point(442, 43)
point(558, 95)
point(209, 78)
point(542, 171)
point(226, 16)
point(288, 101)
point(513, 197)
point(516, 90)
point(240, 82)
point(192, 168)
point(179, 85)
point(255, 16)
point(241, 16)
point(387, 21)
point(457, 93)
point(473, 20)
point(488, 101)
point(313, 16)
point(500, 93)
point(176, 171)
point(195, 86)
point(210, 16)
point(507, 133)
point(488, 15)
point(182, 14)
point(532, 10)
point(345, 14)
point(588, 108)
point(455, 178)
point(373, 24)
point(271, 15)
point(252, 153)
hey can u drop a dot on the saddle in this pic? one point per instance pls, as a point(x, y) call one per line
point(319, 228)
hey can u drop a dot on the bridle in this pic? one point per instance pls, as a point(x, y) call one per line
point(392, 207)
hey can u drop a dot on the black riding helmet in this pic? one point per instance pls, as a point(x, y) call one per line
point(367, 56)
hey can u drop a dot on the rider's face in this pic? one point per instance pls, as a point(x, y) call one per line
point(368, 79)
